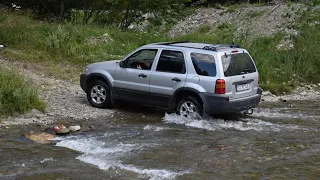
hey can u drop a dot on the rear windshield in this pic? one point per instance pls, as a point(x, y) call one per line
point(237, 64)
point(204, 64)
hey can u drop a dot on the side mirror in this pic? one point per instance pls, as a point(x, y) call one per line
point(122, 64)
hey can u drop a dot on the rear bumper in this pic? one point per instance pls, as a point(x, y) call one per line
point(83, 80)
point(219, 105)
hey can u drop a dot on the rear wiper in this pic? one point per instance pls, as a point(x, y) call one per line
point(246, 71)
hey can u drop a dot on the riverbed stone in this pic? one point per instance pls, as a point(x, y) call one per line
point(74, 128)
point(42, 138)
point(266, 93)
point(62, 131)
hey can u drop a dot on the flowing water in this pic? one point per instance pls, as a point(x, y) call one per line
point(280, 140)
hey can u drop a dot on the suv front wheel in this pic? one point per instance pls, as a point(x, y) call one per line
point(99, 94)
point(189, 107)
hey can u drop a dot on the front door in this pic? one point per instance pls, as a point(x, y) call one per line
point(131, 82)
point(169, 75)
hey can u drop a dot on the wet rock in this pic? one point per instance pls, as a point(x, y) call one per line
point(74, 128)
point(282, 100)
point(61, 130)
point(43, 138)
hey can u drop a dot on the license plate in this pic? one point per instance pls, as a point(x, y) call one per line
point(243, 87)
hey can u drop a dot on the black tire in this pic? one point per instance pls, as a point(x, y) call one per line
point(104, 91)
point(194, 101)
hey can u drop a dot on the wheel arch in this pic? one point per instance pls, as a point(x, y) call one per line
point(185, 91)
point(97, 76)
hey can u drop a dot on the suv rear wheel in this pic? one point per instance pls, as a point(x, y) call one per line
point(189, 107)
point(99, 94)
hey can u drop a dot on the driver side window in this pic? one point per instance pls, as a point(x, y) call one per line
point(142, 59)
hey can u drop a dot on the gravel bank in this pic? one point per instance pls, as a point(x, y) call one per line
point(64, 99)
point(248, 21)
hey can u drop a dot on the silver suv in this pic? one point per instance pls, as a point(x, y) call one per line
point(191, 79)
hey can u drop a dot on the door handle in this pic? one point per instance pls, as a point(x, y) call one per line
point(176, 79)
point(142, 76)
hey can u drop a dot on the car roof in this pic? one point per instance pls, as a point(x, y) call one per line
point(201, 46)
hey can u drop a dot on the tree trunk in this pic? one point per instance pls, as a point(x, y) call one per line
point(62, 10)
point(85, 11)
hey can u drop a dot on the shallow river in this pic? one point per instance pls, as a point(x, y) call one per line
point(279, 141)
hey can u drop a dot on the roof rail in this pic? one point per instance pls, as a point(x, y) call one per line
point(174, 42)
point(215, 47)
point(227, 45)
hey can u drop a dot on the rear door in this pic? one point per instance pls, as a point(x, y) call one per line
point(240, 73)
point(169, 75)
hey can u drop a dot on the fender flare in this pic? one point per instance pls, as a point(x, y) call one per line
point(173, 100)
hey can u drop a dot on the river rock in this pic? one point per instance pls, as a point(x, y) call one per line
point(282, 100)
point(74, 128)
point(61, 130)
point(266, 93)
point(43, 138)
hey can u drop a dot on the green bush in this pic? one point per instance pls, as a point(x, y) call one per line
point(16, 95)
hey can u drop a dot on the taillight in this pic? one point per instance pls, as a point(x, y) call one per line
point(258, 80)
point(220, 86)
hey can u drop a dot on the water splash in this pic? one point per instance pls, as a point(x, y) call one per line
point(279, 113)
point(220, 124)
point(108, 155)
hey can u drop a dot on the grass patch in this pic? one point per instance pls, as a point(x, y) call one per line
point(16, 95)
point(66, 44)
point(223, 33)
point(255, 14)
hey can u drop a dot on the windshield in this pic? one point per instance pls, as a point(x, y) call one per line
point(237, 64)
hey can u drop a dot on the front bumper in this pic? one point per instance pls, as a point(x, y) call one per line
point(219, 105)
point(83, 80)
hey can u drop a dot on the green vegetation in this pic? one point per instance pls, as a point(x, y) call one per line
point(16, 95)
point(56, 46)
point(255, 14)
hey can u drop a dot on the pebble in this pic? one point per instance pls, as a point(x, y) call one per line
point(74, 128)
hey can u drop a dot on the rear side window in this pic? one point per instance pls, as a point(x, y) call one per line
point(204, 64)
point(172, 62)
point(237, 64)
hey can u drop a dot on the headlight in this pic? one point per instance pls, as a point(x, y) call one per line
point(85, 69)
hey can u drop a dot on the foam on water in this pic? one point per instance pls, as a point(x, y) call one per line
point(219, 124)
point(154, 128)
point(155, 174)
point(276, 113)
point(46, 159)
point(106, 156)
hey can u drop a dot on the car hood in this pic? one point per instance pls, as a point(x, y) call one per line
point(109, 66)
